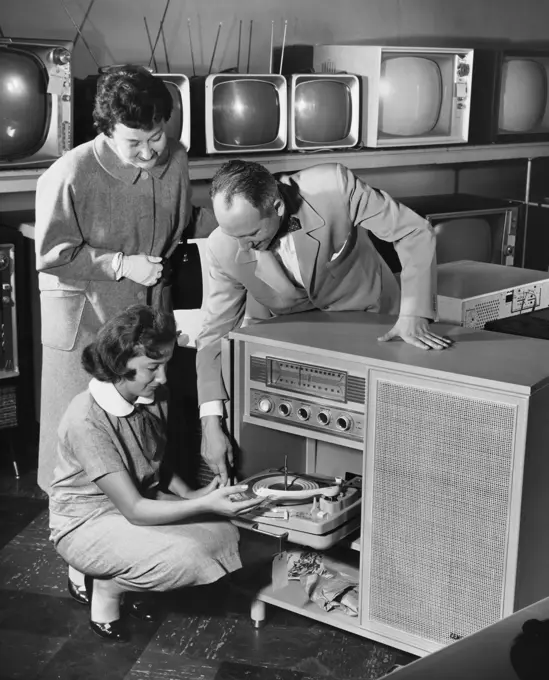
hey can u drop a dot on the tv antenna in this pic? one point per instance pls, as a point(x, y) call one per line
point(215, 47)
point(150, 43)
point(80, 33)
point(249, 46)
point(191, 44)
point(159, 31)
point(239, 40)
point(271, 52)
point(283, 46)
point(83, 22)
point(165, 51)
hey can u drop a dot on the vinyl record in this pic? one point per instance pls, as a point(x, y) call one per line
point(275, 479)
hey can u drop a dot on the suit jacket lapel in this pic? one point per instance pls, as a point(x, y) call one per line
point(268, 270)
point(307, 243)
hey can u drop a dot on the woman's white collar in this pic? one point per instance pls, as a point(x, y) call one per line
point(110, 399)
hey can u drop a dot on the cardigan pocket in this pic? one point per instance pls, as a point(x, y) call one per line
point(61, 315)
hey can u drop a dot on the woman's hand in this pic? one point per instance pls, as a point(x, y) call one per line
point(220, 502)
point(205, 490)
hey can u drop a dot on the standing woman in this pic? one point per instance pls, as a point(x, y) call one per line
point(116, 512)
point(107, 214)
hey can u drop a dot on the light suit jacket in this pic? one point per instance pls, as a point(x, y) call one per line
point(330, 203)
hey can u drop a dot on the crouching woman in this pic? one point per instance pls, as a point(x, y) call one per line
point(116, 513)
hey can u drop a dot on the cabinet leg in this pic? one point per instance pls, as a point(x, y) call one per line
point(258, 613)
point(13, 456)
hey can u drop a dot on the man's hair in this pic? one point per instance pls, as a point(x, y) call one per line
point(247, 179)
point(130, 95)
point(137, 331)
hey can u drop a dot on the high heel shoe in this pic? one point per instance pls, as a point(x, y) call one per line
point(114, 630)
point(79, 593)
point(142, 610)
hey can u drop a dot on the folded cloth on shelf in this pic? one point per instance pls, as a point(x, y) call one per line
point(332, 592)
point(324, 585)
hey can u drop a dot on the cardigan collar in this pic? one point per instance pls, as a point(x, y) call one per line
point(111, 401)
point(129, 174)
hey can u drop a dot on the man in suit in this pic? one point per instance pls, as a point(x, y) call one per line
point(292, 244)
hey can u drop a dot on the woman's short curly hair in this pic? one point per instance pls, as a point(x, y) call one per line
point(137, 331)
point(133, 96)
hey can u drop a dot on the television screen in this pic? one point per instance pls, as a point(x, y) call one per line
point(35, 102)
point(410, 96)
point(324, 111)
point(179, 125)
point(317, 121)
point(175, 125)
point(523, 95)
point(466, 227)
point(245, 113)
point(510, 101)
point(464, 238)
point(25, 107)
point(415, 96)
point(239, 113)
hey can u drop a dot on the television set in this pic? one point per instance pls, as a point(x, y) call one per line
point(178, 127)
point(467, 227)
point(416, 96)
point(16, 338)
point(239, 113)
point(35, 102)
point(510, 101)
point(323, 111)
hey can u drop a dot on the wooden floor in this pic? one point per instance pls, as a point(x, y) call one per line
point(204, 632)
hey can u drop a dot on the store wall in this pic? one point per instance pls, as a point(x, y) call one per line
point(115, 28)
point(115, 33)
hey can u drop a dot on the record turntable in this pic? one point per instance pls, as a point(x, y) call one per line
point(311, 510)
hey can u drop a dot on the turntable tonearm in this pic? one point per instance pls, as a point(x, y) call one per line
point(309, 510)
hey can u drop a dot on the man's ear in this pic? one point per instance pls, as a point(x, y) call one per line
point(278, 206)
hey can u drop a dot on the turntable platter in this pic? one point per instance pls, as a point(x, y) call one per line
point(292, 488)
point(312, 510)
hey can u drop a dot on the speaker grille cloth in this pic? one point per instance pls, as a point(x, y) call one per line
point(441, 495)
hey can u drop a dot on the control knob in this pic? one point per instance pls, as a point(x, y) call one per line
point(344, 423)
point(324, 417)
point(303, 413)
point(284, 408)
point(61, 56)
point(265, 405)
point(4, 261)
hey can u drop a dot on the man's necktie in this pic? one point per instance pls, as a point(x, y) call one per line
point(293, 224)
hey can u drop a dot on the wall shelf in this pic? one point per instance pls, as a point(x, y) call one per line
point(15, 181)
point(204, 168)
